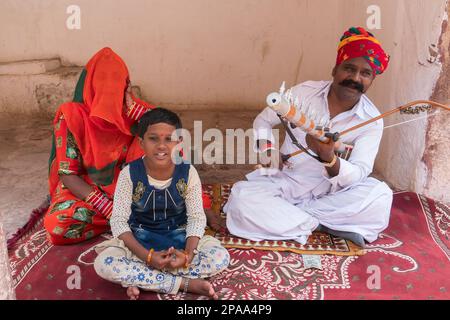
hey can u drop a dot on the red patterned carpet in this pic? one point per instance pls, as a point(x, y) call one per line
point(411, 260)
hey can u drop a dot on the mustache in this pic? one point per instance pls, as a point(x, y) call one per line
point(352, 84)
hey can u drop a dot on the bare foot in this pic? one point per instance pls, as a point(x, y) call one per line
point(133, 293)
point(215, 221)
point(201, 287)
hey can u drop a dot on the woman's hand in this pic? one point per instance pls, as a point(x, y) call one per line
point(128, 99)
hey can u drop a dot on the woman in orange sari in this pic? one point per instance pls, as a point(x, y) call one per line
point(92, 140)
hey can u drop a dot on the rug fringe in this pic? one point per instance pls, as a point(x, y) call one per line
point(35, 216)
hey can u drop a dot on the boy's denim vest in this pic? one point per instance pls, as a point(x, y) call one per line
point(158, 217)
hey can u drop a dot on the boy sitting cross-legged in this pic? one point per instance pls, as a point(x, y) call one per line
point(158, 221)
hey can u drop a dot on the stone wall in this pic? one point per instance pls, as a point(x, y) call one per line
point(437, 153)
point(36, 86)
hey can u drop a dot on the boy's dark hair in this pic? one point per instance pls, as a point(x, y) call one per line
point(157, 115)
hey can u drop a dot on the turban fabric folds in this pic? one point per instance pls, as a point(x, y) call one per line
point(357, 42)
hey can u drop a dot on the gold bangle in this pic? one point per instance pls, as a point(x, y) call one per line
point(186, 264)
point(331, 163)
point(149, 256)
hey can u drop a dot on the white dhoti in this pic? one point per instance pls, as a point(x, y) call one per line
point(263, 208)
point(290, 204)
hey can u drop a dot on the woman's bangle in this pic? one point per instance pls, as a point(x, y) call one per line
point(149, 256)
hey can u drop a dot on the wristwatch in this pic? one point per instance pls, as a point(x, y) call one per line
point(331, 163)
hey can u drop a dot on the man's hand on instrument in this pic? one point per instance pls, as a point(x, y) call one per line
point(325, 151)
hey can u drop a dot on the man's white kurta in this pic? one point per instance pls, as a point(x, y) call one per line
point(289, 204)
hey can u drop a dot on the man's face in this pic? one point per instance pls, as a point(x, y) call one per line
point(352, 78)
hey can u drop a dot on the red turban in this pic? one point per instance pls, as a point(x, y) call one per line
point(357, 42)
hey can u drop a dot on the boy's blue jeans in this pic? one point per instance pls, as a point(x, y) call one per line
point(160, 240)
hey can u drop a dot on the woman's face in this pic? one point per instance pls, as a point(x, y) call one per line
point(109, 77)
point(109, 86)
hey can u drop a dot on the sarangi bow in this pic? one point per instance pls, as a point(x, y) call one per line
point(413, 107)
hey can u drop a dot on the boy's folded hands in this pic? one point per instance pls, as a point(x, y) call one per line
point(169, 259)
point(160, 259)
point(179, 259)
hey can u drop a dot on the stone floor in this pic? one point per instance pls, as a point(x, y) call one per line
point(24, 149)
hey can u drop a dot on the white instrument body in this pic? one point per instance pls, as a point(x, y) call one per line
point(288, 109)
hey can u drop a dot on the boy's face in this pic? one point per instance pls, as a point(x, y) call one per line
point(158, 144)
